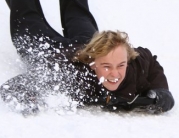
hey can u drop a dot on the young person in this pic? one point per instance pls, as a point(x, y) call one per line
point(94, 68)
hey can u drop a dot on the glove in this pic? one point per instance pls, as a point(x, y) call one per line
point(164, 100)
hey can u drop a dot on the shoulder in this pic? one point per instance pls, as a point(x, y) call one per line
point(145, 55)
point(83, 71)
point(143, 52)
point(143, 62)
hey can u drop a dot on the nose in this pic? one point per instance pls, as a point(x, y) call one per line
point(115, 73)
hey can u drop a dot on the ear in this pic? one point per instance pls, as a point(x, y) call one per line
point(93, 67)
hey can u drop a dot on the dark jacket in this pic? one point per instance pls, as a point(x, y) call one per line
point(48, 58)
point(143, 74)
point(51, 69)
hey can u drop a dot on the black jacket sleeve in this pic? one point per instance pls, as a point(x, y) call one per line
point(155, 72)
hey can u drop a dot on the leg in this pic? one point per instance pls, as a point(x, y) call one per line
point(30, 30)
point(27, 14)
point(77, 21)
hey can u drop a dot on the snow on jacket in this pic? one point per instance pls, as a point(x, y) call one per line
point(51, 70)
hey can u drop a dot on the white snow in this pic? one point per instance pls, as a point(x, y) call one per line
point(151, 23)
point(91, 64)
point(56, 67)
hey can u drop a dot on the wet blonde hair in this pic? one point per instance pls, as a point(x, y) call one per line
point(102, 43)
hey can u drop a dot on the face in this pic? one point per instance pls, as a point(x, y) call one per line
point(111, 69)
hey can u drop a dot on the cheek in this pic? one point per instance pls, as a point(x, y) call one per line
point(123, 72)
point(101, 72)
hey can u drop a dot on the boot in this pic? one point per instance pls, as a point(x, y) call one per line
point(76, 9)
point(8, 3)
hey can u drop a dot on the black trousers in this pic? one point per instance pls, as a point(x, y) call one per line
point(78, 23)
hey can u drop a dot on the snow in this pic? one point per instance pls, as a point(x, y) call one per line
point(101, 80)
point(151, 23)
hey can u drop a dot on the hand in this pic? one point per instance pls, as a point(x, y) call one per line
point(164, 100)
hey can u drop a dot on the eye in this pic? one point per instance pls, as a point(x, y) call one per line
point(120, 66)
point(106, 68)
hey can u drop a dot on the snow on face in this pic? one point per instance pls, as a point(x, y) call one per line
point(101, 80)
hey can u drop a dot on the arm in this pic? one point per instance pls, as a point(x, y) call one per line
point(158, 85)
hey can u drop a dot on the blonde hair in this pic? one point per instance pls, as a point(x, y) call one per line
point(102, 43)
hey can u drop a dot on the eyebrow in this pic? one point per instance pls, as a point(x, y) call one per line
point(109, 63)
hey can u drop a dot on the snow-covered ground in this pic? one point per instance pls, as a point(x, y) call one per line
point(151, 23)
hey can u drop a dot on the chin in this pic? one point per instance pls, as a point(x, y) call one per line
point(111, 89)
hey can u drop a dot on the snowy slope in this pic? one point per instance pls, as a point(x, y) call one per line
point(151, 23)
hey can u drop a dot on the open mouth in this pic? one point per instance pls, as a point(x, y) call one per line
point(113, 80)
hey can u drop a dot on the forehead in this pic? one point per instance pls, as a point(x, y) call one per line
point(119, 53)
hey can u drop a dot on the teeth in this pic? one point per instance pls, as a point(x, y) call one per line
point(115, 80)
